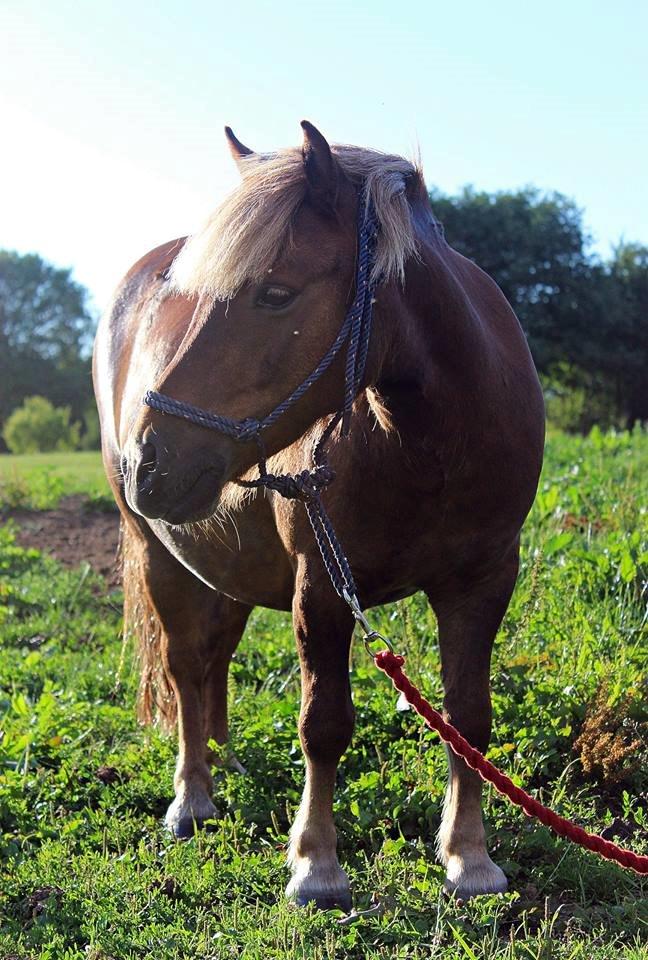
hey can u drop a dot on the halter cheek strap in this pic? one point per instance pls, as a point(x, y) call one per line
point(306, 486)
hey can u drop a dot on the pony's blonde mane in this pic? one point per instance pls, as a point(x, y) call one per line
point(244, 237)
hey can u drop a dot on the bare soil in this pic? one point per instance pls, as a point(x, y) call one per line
point(72, 534)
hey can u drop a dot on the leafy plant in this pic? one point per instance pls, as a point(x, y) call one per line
point(39, 426)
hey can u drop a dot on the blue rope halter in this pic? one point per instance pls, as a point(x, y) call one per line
point(355, 332)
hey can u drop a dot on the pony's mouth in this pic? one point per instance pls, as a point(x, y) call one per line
point(198, 501)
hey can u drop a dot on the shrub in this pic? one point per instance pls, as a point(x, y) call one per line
point(575, 401)
point(611, 743)
point(91, 438)
point(39, 426)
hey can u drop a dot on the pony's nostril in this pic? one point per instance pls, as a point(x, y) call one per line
point(148, 458)
point(124, 466)
point(147, 467)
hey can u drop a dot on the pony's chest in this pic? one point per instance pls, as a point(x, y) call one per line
point(244, 561)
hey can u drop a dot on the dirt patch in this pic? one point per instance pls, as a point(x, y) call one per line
point(72, 534)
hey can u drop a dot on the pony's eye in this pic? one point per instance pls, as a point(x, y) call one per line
point(274, 296)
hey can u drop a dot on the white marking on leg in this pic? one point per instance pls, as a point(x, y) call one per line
point(192, 803)
point(316, 873)
point(461, 843)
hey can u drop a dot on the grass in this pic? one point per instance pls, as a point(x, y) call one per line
point(88, 871)
point(37, 481)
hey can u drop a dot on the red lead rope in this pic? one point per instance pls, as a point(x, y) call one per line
point(391, 664)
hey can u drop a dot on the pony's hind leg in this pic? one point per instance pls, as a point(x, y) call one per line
point(323, 628)
point(199, 630)
point(226, 632)
point(197, 662)
point(467, 628)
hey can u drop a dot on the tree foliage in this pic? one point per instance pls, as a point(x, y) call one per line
point(626, 360)
point(45, 334)
point(39, 426)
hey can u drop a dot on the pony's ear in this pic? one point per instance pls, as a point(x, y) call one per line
point(320, 167)
point(238, 150)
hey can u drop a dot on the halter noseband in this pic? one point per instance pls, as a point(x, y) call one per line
point(355, 332)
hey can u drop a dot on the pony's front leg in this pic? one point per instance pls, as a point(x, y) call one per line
point(323, 629)
point(467, 628)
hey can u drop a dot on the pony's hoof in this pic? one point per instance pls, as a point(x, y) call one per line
point(328, 892)
point(182, 820)
point(466, 879)
point(186, 827)
point(325, 901)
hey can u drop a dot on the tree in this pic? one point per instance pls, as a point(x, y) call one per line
point(625, 360)
point(38, 426)
point(46, 332)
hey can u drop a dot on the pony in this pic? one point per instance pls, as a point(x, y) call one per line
point(435, 468)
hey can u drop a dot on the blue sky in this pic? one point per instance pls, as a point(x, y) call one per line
point(113, 111)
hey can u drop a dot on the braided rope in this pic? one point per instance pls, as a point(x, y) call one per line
point(333, 557)
point(391, 664)
point(237, 429)
point(304, 486)
point(361, 312)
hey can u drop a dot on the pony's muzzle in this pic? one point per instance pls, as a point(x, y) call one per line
point(161, 486)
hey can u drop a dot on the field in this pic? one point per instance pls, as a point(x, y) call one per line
point(89, 872)
point(39, 480)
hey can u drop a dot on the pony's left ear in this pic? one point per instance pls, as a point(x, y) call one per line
point(238, 150)
point(320, 167)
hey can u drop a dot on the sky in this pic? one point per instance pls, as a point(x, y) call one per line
point(113, 111)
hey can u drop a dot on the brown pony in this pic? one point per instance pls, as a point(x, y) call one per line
point(432, 484)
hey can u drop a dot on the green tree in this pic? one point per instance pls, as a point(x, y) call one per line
point(625, 361)
point(91, 436)
point(38, 426)
point(608, 349)
point(46, 332)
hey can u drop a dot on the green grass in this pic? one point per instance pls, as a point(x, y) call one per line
point(88, 871)
point(37, 481)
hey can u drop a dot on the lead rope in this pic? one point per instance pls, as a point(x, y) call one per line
point(392, 665)
point(307, 486)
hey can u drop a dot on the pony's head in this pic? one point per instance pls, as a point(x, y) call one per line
point(273, 270)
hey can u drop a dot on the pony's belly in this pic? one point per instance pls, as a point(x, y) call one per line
point(254, 570)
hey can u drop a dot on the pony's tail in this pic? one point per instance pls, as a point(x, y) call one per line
point(155, 700)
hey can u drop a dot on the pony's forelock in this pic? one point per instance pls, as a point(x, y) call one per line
point(243, 238)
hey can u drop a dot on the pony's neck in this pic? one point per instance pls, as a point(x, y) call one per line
point(434, 343)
